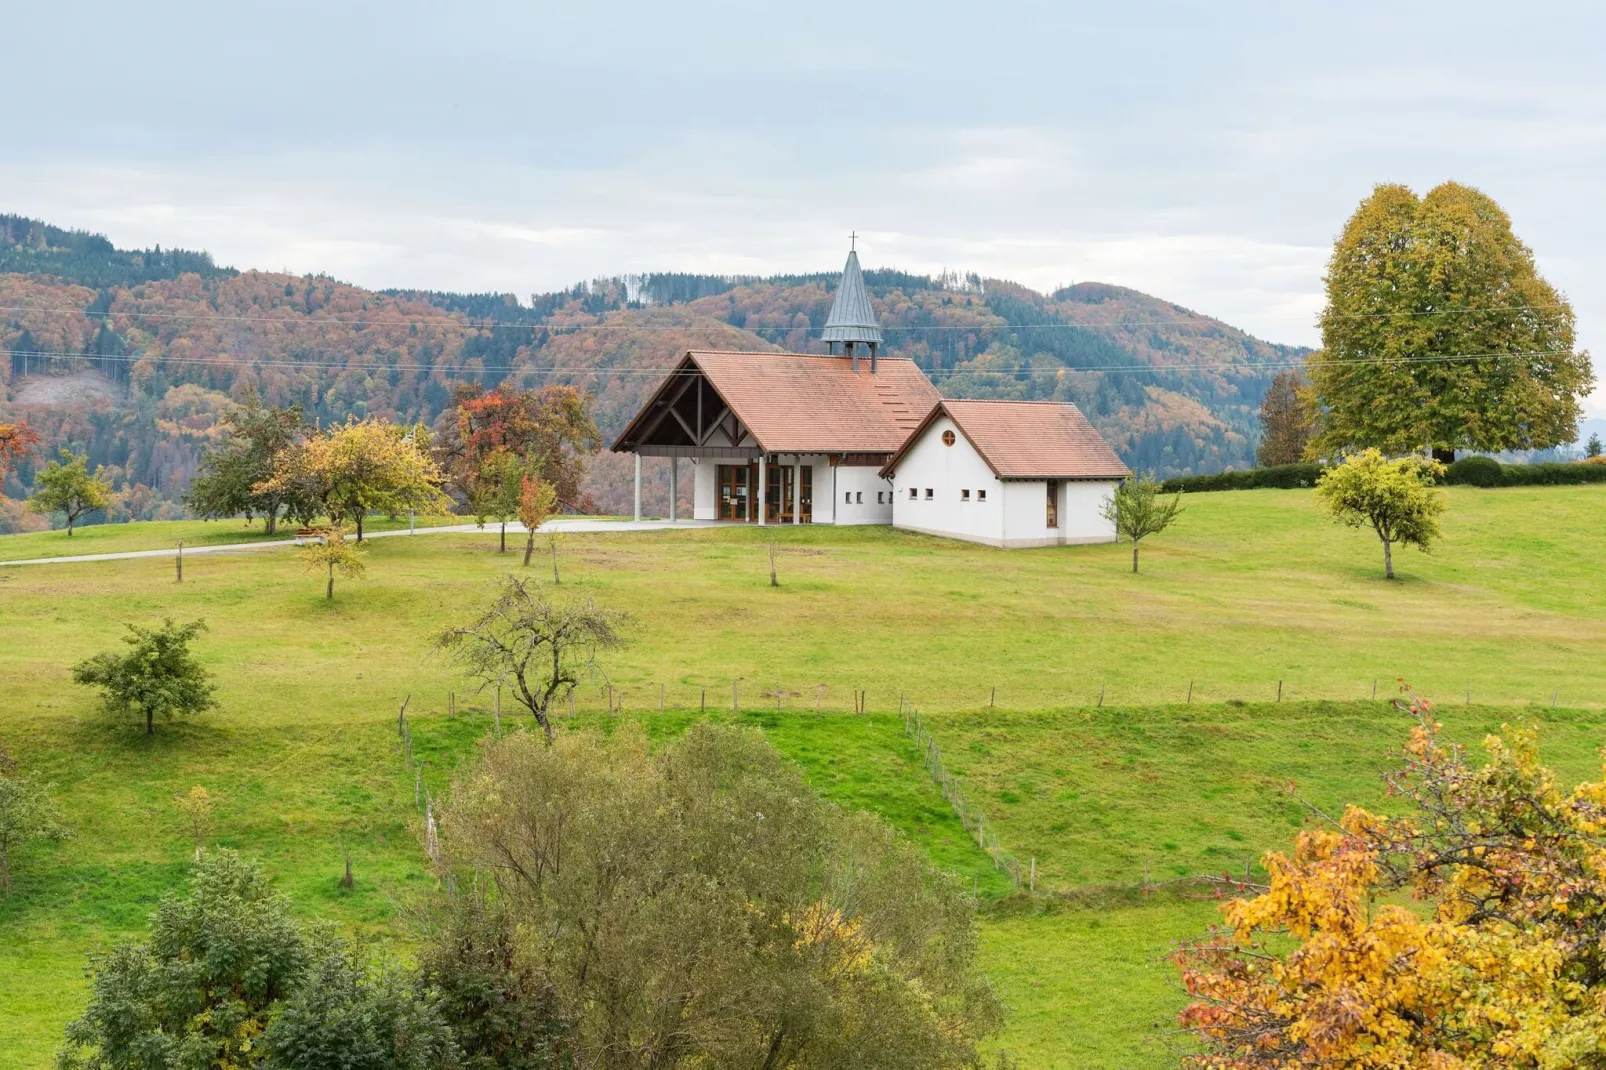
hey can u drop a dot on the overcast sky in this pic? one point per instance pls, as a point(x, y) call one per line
point(1207, 153)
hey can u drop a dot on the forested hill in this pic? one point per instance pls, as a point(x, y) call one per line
point(131, 355)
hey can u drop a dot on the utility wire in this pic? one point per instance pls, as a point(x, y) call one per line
point(447, 323)
point(666, 373)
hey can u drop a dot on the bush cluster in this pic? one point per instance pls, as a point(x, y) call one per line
point(1488, 472)
point(1468, 471)
point(1278, 477)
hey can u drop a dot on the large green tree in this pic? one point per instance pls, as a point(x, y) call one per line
point(697, 904)
point(200, 991)
point(231, 476)
point(1439, 332)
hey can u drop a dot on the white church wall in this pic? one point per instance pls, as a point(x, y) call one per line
point(966, 500)
point(1082, 511)
point(862, 497)
point(1080, 504)
point(1026, 514)
point(705, 489)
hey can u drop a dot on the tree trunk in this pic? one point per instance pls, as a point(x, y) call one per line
point(271, 518)
point(329, 592)
point(359, 525)
point(150, 722)
point(69, 525)
point(529, 548)
point(503, 548)
point(1134, 555)
point(555, 578)
point(1388, 560)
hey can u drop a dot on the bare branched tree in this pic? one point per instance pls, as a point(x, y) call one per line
point(539, 648)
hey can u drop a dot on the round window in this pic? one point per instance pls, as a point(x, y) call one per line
point(947, 438)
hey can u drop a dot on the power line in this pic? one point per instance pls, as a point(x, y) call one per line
point(569, 328)
point(665, 373)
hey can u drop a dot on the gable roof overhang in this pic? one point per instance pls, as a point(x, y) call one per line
point(787, 402)
point(680, 416)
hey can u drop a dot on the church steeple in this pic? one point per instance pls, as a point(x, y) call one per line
point(852, 320)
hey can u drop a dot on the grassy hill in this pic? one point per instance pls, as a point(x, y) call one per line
point(1249, 588)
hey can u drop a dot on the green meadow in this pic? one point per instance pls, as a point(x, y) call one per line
point(1184, 769)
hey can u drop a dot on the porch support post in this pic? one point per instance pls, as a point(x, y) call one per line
point(763, 488)
point(797, 488)
point(674, 484)
point(638, 486)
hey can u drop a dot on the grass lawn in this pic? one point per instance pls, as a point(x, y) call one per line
point(1250, 588)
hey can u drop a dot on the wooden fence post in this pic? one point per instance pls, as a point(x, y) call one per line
point(992, 697)
point(703, 705)
point(1101, 696)
point(1279, 690)
point(178, 564)
point(1190, 691)
point(451, 703)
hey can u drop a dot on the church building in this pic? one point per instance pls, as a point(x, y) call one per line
point(835, 438)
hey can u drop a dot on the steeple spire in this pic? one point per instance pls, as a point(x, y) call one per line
point(852, 320)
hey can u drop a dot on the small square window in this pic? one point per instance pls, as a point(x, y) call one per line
point(914, 493)
point(859, 496)
point(929, 494)
point(981, 495)
point(964, 495)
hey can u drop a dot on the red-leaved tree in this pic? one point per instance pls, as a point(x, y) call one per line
point(552, 429)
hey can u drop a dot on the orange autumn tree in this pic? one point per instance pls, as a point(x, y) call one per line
point(1469, 933)
point(552, 429)
point(16, 442)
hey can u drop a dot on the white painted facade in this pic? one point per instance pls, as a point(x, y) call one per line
point(949, 490)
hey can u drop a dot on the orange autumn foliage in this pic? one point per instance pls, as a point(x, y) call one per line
point(1467, 934)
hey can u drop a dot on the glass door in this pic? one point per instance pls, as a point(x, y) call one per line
point(805, 495)
point(778, 506)
point(735, 484)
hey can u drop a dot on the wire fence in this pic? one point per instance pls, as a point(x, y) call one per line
point(756, 695)
point(972, 818)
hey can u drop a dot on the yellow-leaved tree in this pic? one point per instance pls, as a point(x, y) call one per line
point(1469, 933)
point(361, 467)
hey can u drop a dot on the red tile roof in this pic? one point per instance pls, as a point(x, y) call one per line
point(1027, 439)
point(810, 403)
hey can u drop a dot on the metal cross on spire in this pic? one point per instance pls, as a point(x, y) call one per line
point(853, 238)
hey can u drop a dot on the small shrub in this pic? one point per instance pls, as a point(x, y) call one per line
point(1476, 472)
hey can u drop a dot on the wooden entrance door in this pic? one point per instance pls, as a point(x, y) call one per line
point(778, 494)
point(737, 483)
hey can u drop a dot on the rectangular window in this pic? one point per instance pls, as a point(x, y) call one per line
point(847, 497)
point(964, 495)
point(1053, 503)
point(913, 493)
point(929, 494)
point(981, 495)
point(858, 497)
